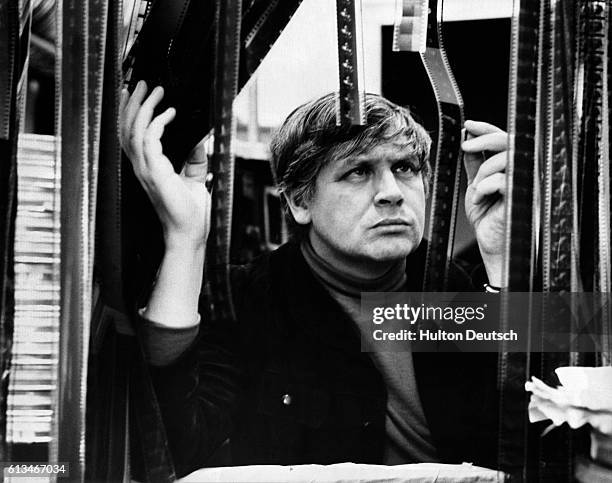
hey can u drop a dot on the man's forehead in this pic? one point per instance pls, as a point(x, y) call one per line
point(398, 148)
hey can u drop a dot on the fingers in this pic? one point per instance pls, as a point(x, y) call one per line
point(471, 163)
point(493, 141)
point(141, 133)
point(478, 128)
point(495, 164)
point(493, 184)
point(152, 146)
point(483, 137)
point(196, 166)
point(129, 112)
point(144, 117)
point(123, 100)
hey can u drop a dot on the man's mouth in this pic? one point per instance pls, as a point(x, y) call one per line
point(396, 222)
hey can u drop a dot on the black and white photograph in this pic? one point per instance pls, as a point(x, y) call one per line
point(306, 241)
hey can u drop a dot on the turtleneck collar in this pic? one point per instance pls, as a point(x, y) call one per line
point(392, 280)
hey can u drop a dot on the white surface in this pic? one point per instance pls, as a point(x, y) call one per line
point(347, 473)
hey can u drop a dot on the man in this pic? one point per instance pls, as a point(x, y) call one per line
point(288, 382)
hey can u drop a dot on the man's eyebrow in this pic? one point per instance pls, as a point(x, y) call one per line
point(400, 155)
point(351, 161)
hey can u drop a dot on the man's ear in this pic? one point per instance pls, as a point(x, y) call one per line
point(299, 209)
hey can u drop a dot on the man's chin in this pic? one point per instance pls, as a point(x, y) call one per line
point(390, 250)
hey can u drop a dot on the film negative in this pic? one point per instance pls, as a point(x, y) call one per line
point(559, 234)
point(594, 176)
point(351, 96)
point(418, 28)
point(262, 24)
point(519, 262)
point(76, 266)
point(559, 266)
point(15, 23)
point(222, 162)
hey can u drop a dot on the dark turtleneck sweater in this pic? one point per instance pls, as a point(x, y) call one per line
point(408, 437)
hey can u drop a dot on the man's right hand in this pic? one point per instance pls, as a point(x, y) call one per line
point(181, 201)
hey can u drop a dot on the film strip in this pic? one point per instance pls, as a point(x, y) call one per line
point(222, 162)
point(523, 113)
point(601, 18)
point(262, 25)
point(182, 34)
point(351, 98)
point(15, 24)
point(112, 355)
point(424, 19)
point(606, 357)
point(140, 11)
point(559, 266)
point(75, 311)
point(157, 23)
point(595, 156)
point(522, 130)
point(98, 24)
point(559, 232)
point(593, 119)
point(110, 182)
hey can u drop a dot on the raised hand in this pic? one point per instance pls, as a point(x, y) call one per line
point(485, 160)
point(181, 201)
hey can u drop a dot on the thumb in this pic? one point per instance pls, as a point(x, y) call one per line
point(471, 164)
point(471, 161)
point(196, 166)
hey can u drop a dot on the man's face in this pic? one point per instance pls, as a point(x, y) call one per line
point(369, 207)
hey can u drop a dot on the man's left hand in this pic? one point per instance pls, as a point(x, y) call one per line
point(485, 163)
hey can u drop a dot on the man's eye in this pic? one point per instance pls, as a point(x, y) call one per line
point(405, 167)
point(357, 172)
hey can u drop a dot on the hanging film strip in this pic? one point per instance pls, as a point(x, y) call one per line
point(111, 354)
point(523, 101)
point(15, 24)
point(222, 162)
point(559, 232)
point(599, 30)
point(98, 16)
point(182, 33)
point(418, 29)
point(76, 266)
point(351, 97)
point(139, 12)
point(606, 358)
point(594, 161)
point(263, 22)
point(519, 261)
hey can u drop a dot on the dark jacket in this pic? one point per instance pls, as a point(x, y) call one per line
point(288, 383)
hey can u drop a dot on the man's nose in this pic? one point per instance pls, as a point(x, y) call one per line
point(388, 191)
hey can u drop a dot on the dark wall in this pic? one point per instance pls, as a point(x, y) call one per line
point(478, 53)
